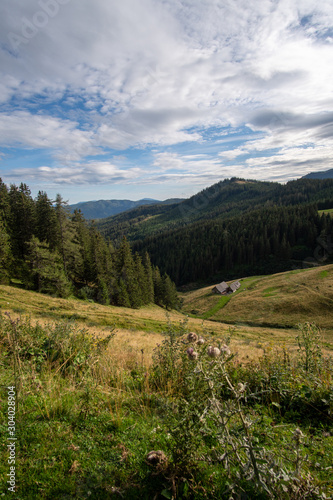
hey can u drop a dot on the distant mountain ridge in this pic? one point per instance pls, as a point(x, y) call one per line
point(326, 174)
point(102, 209)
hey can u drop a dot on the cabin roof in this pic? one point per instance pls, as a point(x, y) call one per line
point(221, 287)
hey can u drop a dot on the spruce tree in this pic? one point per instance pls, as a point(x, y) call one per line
point(142, 281)
point(46, 220)
point(22, 219)
point(68, 244)
point(122, 295)
point(5, 253)
point(101, 266)
point(87, 274)
point(125, 269)
point(47, 273)
point(149, 275)
point(170, 296)
point(158, 286)
point(4, 203)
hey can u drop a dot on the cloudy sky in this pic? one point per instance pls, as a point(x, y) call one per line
point(103, 99)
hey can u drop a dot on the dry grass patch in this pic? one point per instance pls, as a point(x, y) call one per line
point(138, 331)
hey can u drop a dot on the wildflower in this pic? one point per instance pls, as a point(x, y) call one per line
point(241, 387)
point(192, 337)
point(158, 428)
point(213, 352)
point(191, 353)
point(201, 341)
point(225, 349)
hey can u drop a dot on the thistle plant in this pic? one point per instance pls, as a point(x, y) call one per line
point(210, 405)
point(309, 347)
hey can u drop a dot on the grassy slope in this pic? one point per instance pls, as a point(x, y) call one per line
point(87, 435)
point(261, 304)
point(284, 299)
point(135, 328)
point(328, 211)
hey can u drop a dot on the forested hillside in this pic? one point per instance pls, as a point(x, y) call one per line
point(45, 248)
point(263, 241)
point(232, 229)
point(221, 201)
point(235, 228)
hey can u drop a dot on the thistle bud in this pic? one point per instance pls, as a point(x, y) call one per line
point(191, 353)
point(201, 341)
point(225, 349)
point(156, 457)
point(213, 352)
point(192, 337)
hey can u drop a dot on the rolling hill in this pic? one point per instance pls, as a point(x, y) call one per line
point(264, 309)
point(278, 300)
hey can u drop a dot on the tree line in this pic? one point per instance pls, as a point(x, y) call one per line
point(49, 250)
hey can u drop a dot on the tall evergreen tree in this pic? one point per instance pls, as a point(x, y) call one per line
point(68, 243)
point(158, 286)
point(141, 277)
point(122, 295)
point(125, 269)
point(149, 275)
point(88, 273)
point(4, 203)
point(46, 220)
point(5, 253)
point(101, 267)
point(47, 272)
point(22, 219)
point(170, 296)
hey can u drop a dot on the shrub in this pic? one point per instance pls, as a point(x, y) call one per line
point(211, 415)
point(62, 345)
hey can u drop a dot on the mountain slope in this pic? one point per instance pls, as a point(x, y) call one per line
point(221, 201)
point(326, 174)
point(234, 227)
point(105, 208)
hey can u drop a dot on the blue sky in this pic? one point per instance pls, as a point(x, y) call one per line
point(162, 98)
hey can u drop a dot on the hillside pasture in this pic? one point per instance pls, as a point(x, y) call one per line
point(276, 301)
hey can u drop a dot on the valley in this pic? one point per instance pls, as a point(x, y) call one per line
point(265, 309)
point(129, 386)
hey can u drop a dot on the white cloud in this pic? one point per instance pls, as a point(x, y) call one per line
point(62, 137)
point(92, 172)
point(86, 77)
